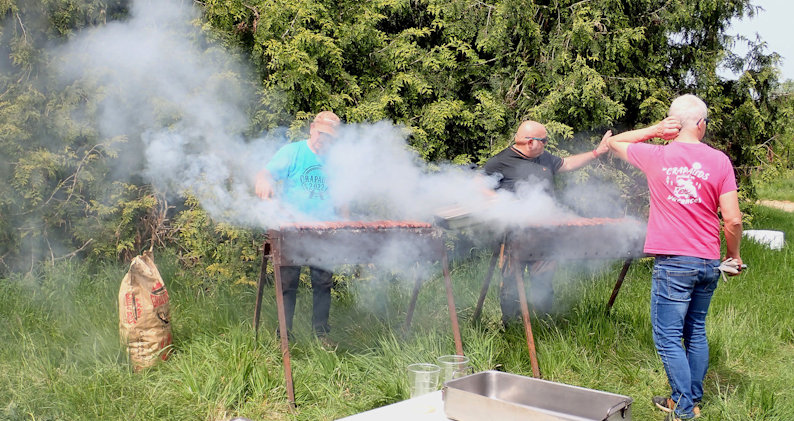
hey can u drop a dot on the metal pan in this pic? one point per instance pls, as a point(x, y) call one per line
point(494, 395)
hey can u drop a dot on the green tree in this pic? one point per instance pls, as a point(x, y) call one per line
point(54, 162)
point(458, 74)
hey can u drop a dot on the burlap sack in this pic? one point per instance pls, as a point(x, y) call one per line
point(144, 313)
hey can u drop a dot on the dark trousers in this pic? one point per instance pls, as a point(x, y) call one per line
point(541, 296)
point(321, 295)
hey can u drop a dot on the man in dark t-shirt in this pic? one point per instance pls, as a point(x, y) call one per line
point(515, 167)
point(527, 162)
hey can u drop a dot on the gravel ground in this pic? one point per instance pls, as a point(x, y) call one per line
point(779, 204)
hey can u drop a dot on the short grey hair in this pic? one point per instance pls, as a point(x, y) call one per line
point(688, 109)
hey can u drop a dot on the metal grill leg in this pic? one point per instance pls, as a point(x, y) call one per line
point(522, 297)
point(487, 283)
point(412, 304)
point(260, 287)
point(618, 284)
point(282, 325)
point(453, 314)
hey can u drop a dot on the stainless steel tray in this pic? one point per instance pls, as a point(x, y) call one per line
point(494, 395)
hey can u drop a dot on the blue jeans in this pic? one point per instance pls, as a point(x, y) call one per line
point(680, 297)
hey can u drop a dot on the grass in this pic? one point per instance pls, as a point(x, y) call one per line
point(779, 188)
point(60, 358)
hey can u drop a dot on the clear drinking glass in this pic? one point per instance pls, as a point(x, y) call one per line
point(453, 367)
point(423, 378)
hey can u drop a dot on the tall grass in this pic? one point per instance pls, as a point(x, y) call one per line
point(60, 357)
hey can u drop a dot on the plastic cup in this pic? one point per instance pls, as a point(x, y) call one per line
point(423, 378)
point(453, 366)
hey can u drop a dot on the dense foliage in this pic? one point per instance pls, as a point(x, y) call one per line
point(459, 74)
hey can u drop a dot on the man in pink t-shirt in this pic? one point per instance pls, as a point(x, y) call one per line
point(689, 183)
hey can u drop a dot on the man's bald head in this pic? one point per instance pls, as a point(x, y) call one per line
point(688, 110)
point(529, 129)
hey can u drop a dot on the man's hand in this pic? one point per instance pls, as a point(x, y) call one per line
point(603, 147)
point(732, 267)
point(574, 162)
point(668, 128)
point(263, 187)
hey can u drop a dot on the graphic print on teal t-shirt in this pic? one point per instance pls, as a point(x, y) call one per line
point(313, 182)
point(305, 188)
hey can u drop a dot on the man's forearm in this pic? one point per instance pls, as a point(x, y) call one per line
point(634, 136)
point(574, 162)
point(665, 129)
point(619, 144)
point(733, 237)
point(732, 222)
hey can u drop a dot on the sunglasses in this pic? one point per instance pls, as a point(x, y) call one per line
point(704, 119)
point(543, 140)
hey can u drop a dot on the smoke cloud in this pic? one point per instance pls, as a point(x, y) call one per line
point(183, 103)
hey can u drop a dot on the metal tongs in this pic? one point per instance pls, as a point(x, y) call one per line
point(730, 265)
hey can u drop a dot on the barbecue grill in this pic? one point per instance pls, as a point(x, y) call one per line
point(580, 238)
point(333, 243)
point(566, 238)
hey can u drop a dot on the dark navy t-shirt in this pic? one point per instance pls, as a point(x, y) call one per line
point(515, 168)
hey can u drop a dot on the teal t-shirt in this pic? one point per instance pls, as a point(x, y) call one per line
point(304, 183)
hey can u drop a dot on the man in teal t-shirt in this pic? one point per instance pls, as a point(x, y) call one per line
point(299, 167)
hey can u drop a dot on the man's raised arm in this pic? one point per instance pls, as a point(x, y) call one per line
point(665, 129)
point(574, 162)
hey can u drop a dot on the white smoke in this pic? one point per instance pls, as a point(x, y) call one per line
point(186, 100)
point(371, 167)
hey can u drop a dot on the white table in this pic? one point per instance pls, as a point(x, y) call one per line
point(429, 407)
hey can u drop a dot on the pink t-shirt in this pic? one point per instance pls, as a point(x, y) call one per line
point(686, 181)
